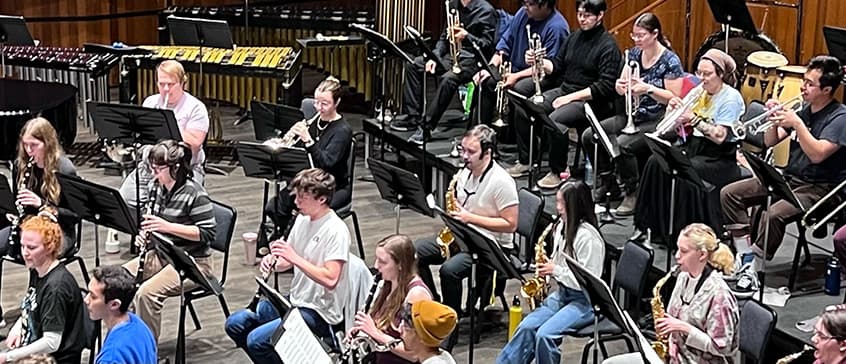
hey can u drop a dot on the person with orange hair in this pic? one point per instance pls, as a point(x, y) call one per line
point(52, 314)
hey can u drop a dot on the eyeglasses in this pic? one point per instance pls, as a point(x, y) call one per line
point(637, 36)
point(703, 74)
point(824, 337)
point(158, 167)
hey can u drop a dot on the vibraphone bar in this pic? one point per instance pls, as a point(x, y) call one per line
point(88, 72)
point(283, 25)
point(269, 74)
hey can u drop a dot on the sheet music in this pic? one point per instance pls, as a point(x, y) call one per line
point(650, 354)
point(298, 345)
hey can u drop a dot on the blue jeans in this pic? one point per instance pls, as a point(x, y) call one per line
point(541, 332)
point(253, 331)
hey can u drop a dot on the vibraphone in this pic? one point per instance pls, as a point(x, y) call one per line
point(269, 74)
point(88, 72)
point(283, 25)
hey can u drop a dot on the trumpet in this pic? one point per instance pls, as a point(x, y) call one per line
point(696, 101)
point(806, 220)
point(761, 123)
point(538, 52)
point(289, 139)
point(454, 45)
point(501, 100)
point(632, 102)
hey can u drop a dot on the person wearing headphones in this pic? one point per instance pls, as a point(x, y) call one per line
point(486, 196)
point(182, 212)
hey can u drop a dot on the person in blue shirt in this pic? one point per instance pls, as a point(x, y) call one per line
point(543, 19)
point(128, 340)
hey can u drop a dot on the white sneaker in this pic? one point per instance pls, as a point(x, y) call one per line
point(518, 170)
point(112, 242)
point(550, 181)
point(747, 282)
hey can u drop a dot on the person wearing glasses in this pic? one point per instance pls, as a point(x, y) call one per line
point(661, 78)
point(702, 315)
point(830, 336)
point(815, 166)
point(585, 67)
point(710, 109)
point(425, 325)
point(487, 199)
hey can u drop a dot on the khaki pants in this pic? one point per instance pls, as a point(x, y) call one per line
point(161, 281)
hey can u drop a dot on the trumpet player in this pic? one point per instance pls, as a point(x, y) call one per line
point(183, 213)
point(487, 198)
point(586, 65)
point(476, 21)
point(710, 108)
point(652, 75)
point(396, 262)
point(543, 19)
point(815, 166)
point(576, 235)
point(328, 140)
point(318, 250)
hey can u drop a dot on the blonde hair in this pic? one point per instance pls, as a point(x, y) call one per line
point(704, 238)
point(41, 129)
point(331, 85)
point(174, 69)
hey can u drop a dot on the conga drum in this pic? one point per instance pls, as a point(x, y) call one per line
point(759, 75)
point(789, 85)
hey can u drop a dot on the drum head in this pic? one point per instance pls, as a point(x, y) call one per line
point(766, 59)
point(741, 45)
point(800, 70)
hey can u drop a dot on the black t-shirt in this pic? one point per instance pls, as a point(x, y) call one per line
point(827, 124)
point(59, 309)
point(331, 148)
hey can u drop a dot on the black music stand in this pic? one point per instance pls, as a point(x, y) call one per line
point(401, 188)
point(732, 13)
point(271, 164)
point(538, 117)
point(13, 31)
point(483, 250)
point(273, 120)
point(101, 205)
point(187, 268)
point(601, 137)
point(674, 162)
point(777, 189)
point(604, 304)
point(7, 197)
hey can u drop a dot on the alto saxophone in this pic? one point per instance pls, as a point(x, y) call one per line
point(662, 344)
point(536, 288)
point(446, 240)
point(501, 99)
point(790, 358)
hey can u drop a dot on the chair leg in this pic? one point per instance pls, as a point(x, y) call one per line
point(586, 351)
point(193, 315)
point(794, 269)
point(223, 305)
point(83, 269)
point(358, 235)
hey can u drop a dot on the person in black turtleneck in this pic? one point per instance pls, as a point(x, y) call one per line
point(328, 141)
point(587, 65)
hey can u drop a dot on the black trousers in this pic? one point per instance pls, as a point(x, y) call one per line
point(632, 149)
point(412, 102)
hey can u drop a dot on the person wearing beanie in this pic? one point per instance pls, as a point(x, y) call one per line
point(425, 325)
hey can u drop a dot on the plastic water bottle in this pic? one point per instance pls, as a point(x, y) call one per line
point(832, 277)
point(515, 315)
point(588, 173)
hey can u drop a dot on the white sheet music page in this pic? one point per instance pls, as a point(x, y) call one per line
point(646, 346)
point(298, 345)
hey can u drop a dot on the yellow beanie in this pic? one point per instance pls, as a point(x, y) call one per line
point(433, 322)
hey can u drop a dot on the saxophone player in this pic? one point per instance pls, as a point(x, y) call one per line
point(183, 213)
point(487, 198)
point(702, 314)
point(544, 19)
point(830, 336)
point(817, 157)
point(477, 22)
point(660, 79)
point(576, 235)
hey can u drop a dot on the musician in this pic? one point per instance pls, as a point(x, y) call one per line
point(317, 248)
point(710, 148)
point(545, 20)
point(128, 339)
point(839, 242)
point(192, 118)
point(830, 336)
point(586, 64)
point(702, 314)
point(661, 78)
point(816, 161)
point(487, 198)
point(576, 235)
point(52, 313)
point(425, 325)
point(328, 141)
point(396, 263)
point(181, 212)
point(478, 21)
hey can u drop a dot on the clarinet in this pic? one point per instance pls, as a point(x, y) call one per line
point(376, 286)
point(142, 255)
point(266, 275)
point(14, 247)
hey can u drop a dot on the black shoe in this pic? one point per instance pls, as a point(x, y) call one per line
point(607, 183)
point(407, 124)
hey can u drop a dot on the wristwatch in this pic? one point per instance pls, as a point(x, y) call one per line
point(650, 91)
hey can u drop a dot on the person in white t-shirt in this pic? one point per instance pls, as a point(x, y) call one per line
point(486, 196)
point(318, 249)
point(425, 325)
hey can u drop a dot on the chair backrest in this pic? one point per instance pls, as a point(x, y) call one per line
point(351, 161)
point(530, 207)
point(225, 217)
point(632, 271)
point(360, 280)
point(757, 322)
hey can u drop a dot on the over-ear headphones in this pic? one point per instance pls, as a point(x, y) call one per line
point(177, 156)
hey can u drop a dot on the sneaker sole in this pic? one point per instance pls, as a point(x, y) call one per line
point(401, 128)
point(548, 187)
point(518, 175)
